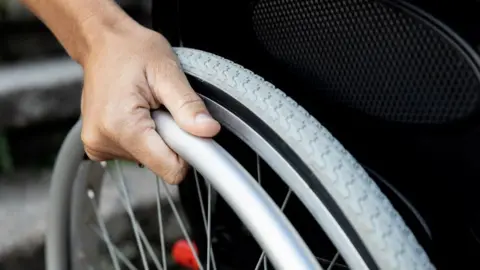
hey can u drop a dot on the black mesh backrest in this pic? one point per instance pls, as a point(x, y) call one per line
point(372, 57)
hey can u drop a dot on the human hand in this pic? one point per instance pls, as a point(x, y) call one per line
point(131, 72)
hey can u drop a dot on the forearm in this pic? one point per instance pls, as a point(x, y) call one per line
point(80, 25)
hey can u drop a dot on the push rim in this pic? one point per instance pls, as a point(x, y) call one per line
point(266, 151)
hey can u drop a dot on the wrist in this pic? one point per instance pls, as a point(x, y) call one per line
point(98, 28)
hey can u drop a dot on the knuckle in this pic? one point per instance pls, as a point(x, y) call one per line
point(117, 128)
point(190, 99)
point(175, 174)
point(166, 68)
point(108, 124)
point(175, 177)
point(94, 155)
point(90, 138)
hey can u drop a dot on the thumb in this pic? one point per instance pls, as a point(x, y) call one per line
point(187, 108)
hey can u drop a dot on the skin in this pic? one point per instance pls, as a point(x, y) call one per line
point(128, 71)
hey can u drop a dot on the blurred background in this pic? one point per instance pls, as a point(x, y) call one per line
point(40, 90)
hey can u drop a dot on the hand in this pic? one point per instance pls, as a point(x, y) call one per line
point(132, 72)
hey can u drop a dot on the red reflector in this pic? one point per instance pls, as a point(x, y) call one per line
point(183, 255)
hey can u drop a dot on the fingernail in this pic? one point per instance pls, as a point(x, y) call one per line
point(203, 118)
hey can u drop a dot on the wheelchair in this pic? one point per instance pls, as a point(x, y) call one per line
point(349, 140)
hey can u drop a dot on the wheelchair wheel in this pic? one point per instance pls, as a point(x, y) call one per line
point(337, 216)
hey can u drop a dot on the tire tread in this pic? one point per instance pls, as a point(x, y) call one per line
point(388, 239)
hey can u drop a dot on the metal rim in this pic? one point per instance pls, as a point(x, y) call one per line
point(271, 156)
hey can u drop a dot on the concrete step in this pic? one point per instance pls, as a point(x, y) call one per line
point(32, 92)
point(26, 37)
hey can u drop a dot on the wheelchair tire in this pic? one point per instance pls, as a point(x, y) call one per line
point(364, 214)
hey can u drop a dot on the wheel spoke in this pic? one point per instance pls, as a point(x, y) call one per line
point(137, 228)
point(149, 247)
point(332, 263)
point(206, 223)
point(181, 224)
point(119, 253)
point(259, 178)
point(262, 256)
point(105, 235)
point(209, 231)
point(160, 223)
point(128, 208)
